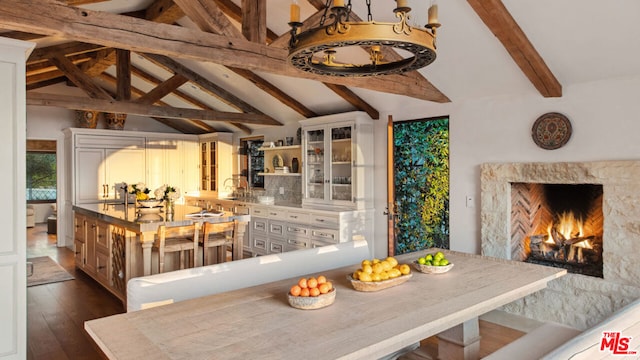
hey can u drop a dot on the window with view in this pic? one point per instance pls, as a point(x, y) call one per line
point(41, 176)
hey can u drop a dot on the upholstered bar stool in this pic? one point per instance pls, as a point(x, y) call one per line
point(182, 239)
point(217, 236)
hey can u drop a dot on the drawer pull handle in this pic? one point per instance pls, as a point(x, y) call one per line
point(101, 267)
point(293, 216)
point(320, 220)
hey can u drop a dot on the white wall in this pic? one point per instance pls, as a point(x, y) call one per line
point(605, 120)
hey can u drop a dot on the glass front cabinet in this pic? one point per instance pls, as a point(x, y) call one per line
point(338, 161)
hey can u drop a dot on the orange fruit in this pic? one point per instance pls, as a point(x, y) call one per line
point(322, 279)
point(324, 288)
point(304, 292)
point(330, 285)
point(312, 283)
point(295, 290)
point(302, 283)
point(314, 291)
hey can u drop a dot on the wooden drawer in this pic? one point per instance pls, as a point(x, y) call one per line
point(276, 228)
point(297, 231)
point(326, 235)
point(102, 236)
point(79, 253)
point(276, 246)
point(259, 226)
point(277, 214)
point(259, 211)
point(298, 217)
point(259, 243)
point(324, 220)
point(103, 268)
point(298, 243)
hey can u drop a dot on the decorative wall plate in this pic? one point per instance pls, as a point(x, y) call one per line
point(551, 131)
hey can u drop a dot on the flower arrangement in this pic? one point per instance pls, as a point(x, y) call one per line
point(140, 190)
point(167, 192)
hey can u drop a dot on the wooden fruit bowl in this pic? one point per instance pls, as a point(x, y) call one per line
point(429, 269)
point(378, 285)
point(312, 302)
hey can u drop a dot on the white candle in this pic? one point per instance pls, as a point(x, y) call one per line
point(401, 3)
point(295, 11)
point(433, 14)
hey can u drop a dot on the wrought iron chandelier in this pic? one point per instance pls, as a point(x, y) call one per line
point(314, 50)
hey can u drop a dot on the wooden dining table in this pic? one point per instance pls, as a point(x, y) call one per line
point(258, 323)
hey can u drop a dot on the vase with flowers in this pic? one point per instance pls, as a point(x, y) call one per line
point(140, 191)
point(170, 194)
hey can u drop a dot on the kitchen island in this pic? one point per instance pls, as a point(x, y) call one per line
point(113, 242)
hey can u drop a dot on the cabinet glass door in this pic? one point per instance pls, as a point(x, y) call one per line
point(315, 169)
point(341, 169)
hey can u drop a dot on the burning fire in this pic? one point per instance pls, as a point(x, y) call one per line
point(565, 226)
point(569, 230)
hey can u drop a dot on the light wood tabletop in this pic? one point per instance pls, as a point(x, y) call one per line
point(257, 322)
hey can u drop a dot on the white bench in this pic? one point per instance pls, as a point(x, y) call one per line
point(553, 341)
point(154, 290)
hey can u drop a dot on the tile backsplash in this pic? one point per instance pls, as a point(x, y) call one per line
point(292, 186)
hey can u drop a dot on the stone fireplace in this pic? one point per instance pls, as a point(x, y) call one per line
point(516, 215)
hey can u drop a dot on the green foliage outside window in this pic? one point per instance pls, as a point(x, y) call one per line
point(41, 176)
point(421, 161)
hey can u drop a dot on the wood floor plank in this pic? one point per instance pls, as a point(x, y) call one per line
point(56, 312)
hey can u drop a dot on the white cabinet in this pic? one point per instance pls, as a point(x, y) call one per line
point(276, 229)
point(172, 162)
point(338, 161)
point(101, 164)
point(216, 163)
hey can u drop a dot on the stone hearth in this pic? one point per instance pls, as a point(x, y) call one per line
point(576, 300)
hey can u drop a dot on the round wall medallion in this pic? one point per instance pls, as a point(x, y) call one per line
point(551, 131)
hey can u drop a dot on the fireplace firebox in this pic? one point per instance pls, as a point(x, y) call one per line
point(558, 225)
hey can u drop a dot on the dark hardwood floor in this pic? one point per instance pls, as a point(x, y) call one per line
point(56, 312)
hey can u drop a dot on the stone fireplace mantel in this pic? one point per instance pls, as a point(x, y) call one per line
point(576, 300)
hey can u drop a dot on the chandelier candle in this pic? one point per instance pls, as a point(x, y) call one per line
point(338, 3)
point(433, 13)
point(295, 11)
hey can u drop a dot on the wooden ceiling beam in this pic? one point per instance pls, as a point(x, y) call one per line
point(210, 18)
point(254, 20)
point(185, 97)
point(52, 18)
point(235, 12)
point(123, 74)
point(69, 49)
point(101, 61)
point(34, 85)
point(163, 89)
point(163, 11)
point(42, 67)
point(498, 19)
point(201, 125)
point(274, 91)
point(79, 78)
point(205, 84)
point(129, 107)
point(20, 35)
point(353, 99)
